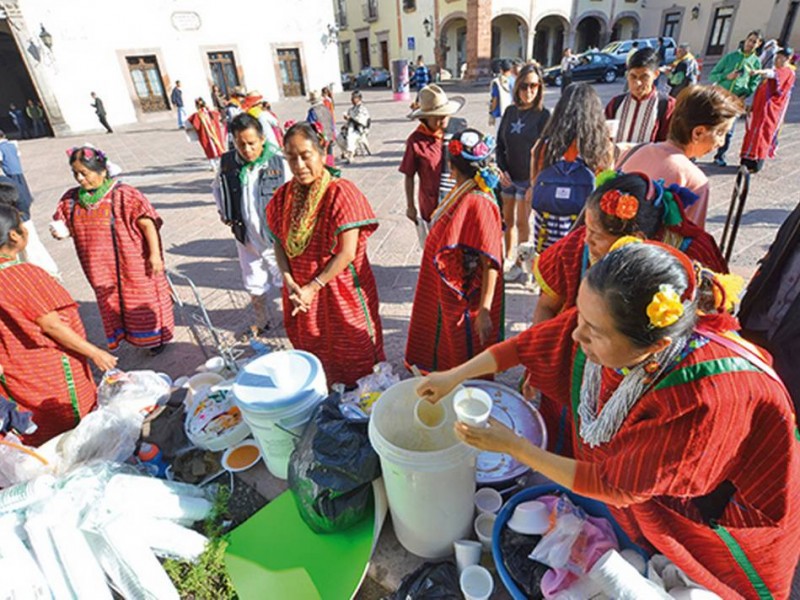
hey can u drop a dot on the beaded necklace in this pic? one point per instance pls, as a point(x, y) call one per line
point(300, 213)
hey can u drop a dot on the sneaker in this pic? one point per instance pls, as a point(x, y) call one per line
point(513, 273)
point(720, 162)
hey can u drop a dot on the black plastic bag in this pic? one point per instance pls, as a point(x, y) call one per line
point(527, 573)
point(332, 468)
point(432, 581)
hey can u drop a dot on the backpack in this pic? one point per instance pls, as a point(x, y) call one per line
point(559, 194)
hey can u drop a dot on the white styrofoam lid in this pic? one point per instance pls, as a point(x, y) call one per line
point(278, 379)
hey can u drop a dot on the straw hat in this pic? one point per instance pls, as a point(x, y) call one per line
point(433, 102)
point(314, 97)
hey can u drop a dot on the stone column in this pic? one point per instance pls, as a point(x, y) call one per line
point(479, 39)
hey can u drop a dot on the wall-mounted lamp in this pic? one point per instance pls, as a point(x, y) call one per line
point(696, 12)
point(428, 25)
point(46, 38)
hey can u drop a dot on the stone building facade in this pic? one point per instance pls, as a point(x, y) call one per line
point(132, 53)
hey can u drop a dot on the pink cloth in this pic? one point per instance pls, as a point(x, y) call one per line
point(596, 538)
point(664, 160)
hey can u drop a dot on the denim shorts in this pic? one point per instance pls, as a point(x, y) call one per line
point(517, 189)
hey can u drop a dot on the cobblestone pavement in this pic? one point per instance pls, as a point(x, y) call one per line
point(158, 159)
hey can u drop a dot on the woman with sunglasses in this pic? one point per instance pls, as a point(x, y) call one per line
point(520, 127)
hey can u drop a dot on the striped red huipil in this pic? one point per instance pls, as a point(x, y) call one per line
point(342, 328)
point(560, 269)
point(714, 418)
point(135, 305)
point(442, 331)
point(53, 383)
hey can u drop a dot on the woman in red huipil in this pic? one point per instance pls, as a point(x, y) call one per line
point(116, 235)
point(210, 132)
point(656, 213)
point(43, 349)
point(680, 426)
point(770, 103)
point(458, 303)
point(320, 224)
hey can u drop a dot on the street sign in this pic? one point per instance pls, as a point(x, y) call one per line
point(412, 43)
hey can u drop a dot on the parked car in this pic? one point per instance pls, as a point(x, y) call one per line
point(620, 48)
point(373, 76)
point(347, 81)
point(592, 66)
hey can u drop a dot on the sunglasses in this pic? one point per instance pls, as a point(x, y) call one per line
point(528, 86)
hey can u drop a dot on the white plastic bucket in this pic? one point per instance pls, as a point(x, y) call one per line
point(277, 394)
point(429, 474)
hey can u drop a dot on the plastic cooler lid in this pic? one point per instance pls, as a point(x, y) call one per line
point(277, 380)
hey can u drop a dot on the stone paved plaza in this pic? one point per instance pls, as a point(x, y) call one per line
point(157, 159)
point(160, 161)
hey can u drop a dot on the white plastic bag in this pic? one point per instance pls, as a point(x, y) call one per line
point(22, 578)
point(555, 547)
point(81, 568)
point(136, 391)
point(170, 540)
point(19, 463)
point(104, 434)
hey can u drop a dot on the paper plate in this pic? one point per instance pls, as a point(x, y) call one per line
point(510, 408)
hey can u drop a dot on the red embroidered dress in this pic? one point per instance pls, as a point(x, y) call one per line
point(770, 103)
point(54, 384)
point(560, 269)
point(134, 304)
point(342, 328)
point(713, 418)
point(442, 332)
point(210, 132)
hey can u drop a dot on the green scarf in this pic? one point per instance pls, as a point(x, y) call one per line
point(87, 198)
point(267, 152)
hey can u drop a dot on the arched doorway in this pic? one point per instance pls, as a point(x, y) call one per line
point(548, 40)
point(625, 28)
point(453, 44)
point(588, 34)
point(509, 37)
point(17, 87)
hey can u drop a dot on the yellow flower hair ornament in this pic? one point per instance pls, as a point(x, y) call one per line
point(665, 308)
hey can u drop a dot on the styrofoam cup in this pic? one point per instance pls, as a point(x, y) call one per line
point(530, 518)
point(473, 406)
point(484, 526)
point(468, 553)
point(215, 364)
point(476, 583)
point(488, 500)
point(428, 415)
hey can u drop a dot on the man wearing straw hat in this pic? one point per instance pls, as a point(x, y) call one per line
point(425, 156)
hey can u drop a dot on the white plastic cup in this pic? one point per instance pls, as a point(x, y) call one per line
point(484, 526)
point(428, 415)
point(476, 583)
point(488, 500)
point(473, 406)
point(59, 229)
point(468, 553)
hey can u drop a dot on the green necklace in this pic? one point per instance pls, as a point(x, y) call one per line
point(87, 198)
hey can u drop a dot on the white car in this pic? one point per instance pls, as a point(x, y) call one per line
point(621, 48)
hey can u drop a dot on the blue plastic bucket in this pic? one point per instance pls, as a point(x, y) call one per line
point(594, 508)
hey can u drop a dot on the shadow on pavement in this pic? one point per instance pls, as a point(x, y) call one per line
point(205, 249)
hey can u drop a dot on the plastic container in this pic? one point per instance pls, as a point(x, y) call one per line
point(277, 394)
point(592, 507)
point(429, 474)
point(215, 422)
point(152, 460)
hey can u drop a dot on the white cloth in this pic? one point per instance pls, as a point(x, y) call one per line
point(36, 254)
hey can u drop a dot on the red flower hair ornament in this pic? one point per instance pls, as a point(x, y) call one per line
point(617, 204)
